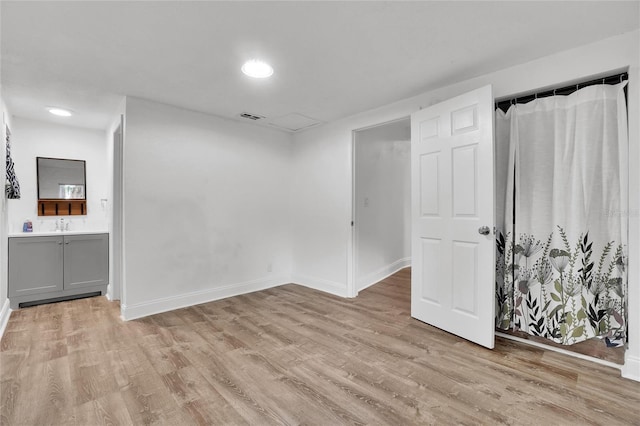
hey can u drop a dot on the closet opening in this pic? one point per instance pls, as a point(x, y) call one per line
point(561, 230)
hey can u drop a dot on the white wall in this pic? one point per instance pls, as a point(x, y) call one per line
point(321, 213)
point(206, 210)
point(5, 311)
point(33, 139)
point(382, 201)
point(322, 166)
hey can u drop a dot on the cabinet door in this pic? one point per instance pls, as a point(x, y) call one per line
point(86, 260)
point(35, 265)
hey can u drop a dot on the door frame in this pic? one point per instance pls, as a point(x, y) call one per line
point(631, 367)
point(352, 246)
point(117, 230)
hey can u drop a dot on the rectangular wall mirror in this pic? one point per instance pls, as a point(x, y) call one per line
point(61, 187)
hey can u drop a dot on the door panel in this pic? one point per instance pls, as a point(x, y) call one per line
point(452, 197)
point(430, 198)
point(464, 181)
point(431, 259)
point(465, 279)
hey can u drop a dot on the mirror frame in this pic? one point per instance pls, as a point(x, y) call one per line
point(84, 178)
point(61, 206)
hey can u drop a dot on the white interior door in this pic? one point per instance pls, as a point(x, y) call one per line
point(452, 202)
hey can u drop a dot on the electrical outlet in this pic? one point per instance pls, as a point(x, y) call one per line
point(270, 267)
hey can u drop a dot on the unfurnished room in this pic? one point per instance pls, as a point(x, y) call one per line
point(320, 212)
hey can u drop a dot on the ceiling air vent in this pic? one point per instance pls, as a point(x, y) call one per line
point(253, 117)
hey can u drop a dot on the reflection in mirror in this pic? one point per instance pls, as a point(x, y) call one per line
point(60, 179)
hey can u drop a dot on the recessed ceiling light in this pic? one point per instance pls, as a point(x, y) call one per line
point(257, 69)
point(61, 112)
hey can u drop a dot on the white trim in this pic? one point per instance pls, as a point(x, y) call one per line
point(382, 273)
point(5, 313)
point(559, 350)
point(384, 123)
point(139, 310)
point(117, 216)
point(331, 287)
point(352, 243)
point(631, 368)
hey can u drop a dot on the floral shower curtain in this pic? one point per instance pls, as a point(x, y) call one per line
point(561, 240)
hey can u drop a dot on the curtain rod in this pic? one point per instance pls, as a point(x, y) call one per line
point(562, 91)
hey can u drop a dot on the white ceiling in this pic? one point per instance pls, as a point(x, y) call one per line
point(331, 59)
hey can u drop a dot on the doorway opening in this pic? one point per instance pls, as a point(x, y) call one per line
point(381, 228)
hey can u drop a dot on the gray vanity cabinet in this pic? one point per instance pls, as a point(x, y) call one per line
point(57, 267)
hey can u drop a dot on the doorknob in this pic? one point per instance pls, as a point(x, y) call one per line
point(484, 230)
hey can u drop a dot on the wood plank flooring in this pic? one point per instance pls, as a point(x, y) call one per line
point(289, 355)
point(595, 348)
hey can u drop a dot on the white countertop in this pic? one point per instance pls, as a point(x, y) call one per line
point(53, 233)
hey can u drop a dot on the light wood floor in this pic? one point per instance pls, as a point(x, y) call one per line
point(289, 355)
point(595, 348)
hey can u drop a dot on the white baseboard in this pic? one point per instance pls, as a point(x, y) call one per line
point(382, 273)
point(139, 310)
point(331, 287)
point(631, 367)
point(5, 313)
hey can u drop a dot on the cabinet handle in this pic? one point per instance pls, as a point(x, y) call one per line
point(67, 242)
point(59, 243)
